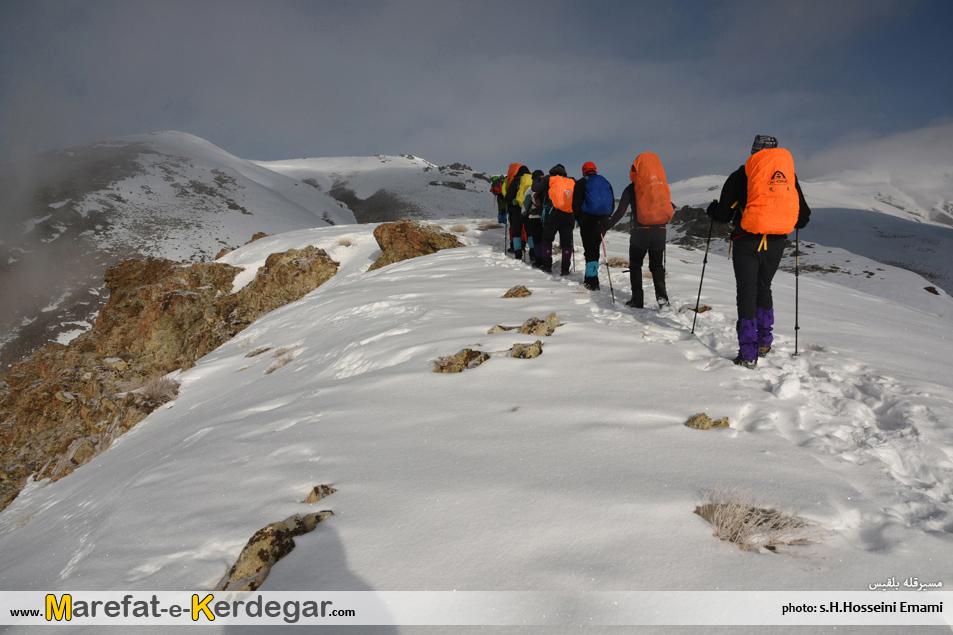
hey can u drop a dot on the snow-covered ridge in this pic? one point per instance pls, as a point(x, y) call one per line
point(568, 473)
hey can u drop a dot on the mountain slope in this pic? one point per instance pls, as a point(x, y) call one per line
point(386, 188)
point(855, 228)
point(570, 473)
point(69, 214)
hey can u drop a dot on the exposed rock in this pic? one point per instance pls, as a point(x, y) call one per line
point(464, 360)
point(692, 225)
point(269, 545)
point(527, 351)
point(932, 290)
point(408, 239)
point(116, 363)
point(518, 291)
point(703, 422)
point(258, 236)
point(318, 492)
point(224, 251)
point(161, 316)
point(532, 326)
point(535, 326)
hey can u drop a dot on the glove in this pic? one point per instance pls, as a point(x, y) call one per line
point(501, 218)
point(712, 209)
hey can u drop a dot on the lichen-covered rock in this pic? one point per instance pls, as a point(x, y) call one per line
point(518, 291)
point(702, 421)
point(536, 326)
point(464, 360)
point(408, 239)
point(269, 545)
point(527, 351)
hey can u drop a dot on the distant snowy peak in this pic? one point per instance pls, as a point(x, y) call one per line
point(386, 188)
point(68, 214)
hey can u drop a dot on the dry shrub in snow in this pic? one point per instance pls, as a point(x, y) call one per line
point(282, 360)
point(158, 389)
point(488, 225)
point(460, 229)
point(619, 263)
point(751, 527)
point(258, 351)
point(345, 241)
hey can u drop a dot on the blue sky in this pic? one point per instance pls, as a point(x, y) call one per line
point(483, 83)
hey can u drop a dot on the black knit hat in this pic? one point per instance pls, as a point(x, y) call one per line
point(763, 142)
point(557, 170)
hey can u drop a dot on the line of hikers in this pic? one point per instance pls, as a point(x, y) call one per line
point(762, 199)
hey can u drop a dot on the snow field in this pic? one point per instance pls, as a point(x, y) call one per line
point(570, 472)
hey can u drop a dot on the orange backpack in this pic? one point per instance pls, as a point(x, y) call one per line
point(560, 192)
point(514, 168)
point(773, 202)
point(653, 198)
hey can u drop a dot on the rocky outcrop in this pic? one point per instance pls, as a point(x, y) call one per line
point(407, 239)
point(71, 401)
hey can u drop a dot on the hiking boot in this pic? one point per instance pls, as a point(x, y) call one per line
point(634, 304)
point(518, 254)
point(746, 363)
point(763, 351)
point(564, 271)
point(662, 302)
point(591, 283)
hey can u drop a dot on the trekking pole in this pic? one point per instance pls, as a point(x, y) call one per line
point(704, 263)
point(506, 231)
point(607, 268)
point(797, 276)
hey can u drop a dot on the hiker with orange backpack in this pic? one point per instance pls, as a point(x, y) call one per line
point(592, 203)
point(651, 201)
point(764, 201)
point(556, 191)
point(516, 187)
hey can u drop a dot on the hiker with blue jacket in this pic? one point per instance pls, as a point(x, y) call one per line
point(592, 203)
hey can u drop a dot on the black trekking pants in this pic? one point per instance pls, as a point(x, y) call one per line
point(651, 240)
point(590, 230)
point(562, 223)
point(754, 271)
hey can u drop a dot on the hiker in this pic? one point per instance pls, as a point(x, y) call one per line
point(592, 203)
point(496, 189)
point(532, 222)
point(651, 201)
point(556, 191)
point(764, 201)
point(515, 190)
